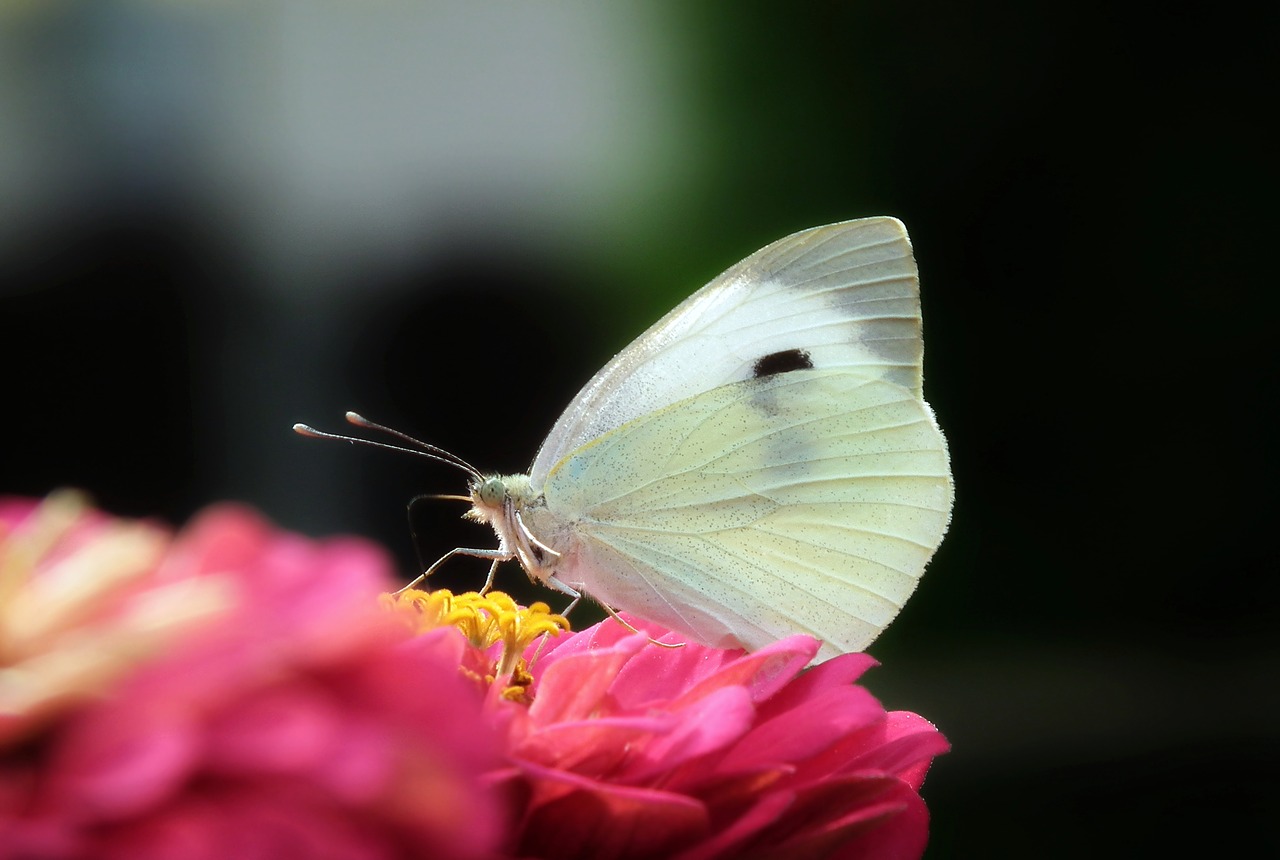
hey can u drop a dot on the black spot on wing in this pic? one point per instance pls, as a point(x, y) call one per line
point(782, 362)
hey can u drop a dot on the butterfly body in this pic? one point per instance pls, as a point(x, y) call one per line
point(761, 462)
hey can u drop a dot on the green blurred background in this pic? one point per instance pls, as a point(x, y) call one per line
point(219, 218)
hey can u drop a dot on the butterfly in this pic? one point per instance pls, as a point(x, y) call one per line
point(760, 462)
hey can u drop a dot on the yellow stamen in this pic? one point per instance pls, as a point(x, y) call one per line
point(485, 620)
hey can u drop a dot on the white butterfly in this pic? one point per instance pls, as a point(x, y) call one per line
point(761, 462)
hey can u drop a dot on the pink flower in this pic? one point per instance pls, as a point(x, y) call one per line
point(235, 691)
point(290, 720)
point(630, 750)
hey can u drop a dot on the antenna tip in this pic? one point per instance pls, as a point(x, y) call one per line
point(304, 430)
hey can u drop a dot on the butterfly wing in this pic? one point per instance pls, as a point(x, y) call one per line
point(807, 501)
point(840, 296)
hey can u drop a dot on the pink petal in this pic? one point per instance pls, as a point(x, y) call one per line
point(839, 671)
point(708, 725)
point(828, 719)
point(602, 636)
point(729, 842)
point(286, 729)
point(762, 672)
point(658, 674)
point(593, 747)
point(890, 823)
point(911, 743)
point(14, 510)
point(247, 825)
point(360, 766)
point(571, 817)
point(822, 817)
point(116, 762)
point(574, 686)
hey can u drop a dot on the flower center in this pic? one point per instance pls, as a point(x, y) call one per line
point(486, 620)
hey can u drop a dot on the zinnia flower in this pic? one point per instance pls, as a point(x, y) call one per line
point(629, 750)
point(237, 692)
point(280, 716)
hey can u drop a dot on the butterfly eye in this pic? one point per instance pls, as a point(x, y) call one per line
point(491, 492)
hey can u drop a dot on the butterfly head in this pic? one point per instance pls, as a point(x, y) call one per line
point(501, 501)
point(496, 498)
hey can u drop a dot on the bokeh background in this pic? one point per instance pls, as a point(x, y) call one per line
point(219, 218)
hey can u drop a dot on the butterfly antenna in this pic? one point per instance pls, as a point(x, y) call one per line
point(420, 449)
point(448, 456)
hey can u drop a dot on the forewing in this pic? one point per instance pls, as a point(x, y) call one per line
point(844, 295)
point(805, 502)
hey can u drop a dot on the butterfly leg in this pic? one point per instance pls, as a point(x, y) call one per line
point(577, 592)
point(497, 555)
point(488, 580)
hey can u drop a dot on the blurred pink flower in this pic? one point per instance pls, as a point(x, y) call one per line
point(236, 691)
point(630, 750)
point(292, 720)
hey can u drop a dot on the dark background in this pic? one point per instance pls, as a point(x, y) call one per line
point(1089, 197)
